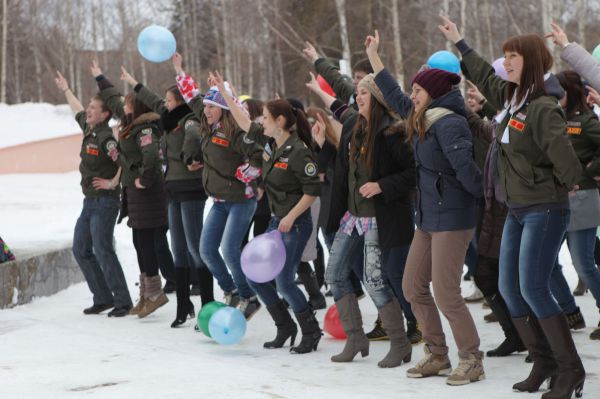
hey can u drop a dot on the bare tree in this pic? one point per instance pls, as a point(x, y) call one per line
point(4, 46)
point(340, 6)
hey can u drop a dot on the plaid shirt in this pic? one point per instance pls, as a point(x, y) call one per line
point(362, 224)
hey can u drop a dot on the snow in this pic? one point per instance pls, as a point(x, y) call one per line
point(49, 349)
point(23, 123)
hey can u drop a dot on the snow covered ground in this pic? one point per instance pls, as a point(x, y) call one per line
point(49, 349)
point(23, 123)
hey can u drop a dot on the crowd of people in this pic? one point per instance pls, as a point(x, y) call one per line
point(400, 185)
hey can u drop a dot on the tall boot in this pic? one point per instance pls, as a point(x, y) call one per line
point(185, 307)
point(400, 347)
point(315, 296)
point(544, 364)
point(311, 332)
point(512, 342)
point(140, 303)
point(206, 285)
point(286, 328)
point(351, 319)
point(319, 265)
point(571, 374)
point(155, 297)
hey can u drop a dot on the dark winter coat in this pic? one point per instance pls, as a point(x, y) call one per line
point(448, 180)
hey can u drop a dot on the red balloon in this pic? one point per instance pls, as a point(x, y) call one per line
point(325, 86)
point(333, 325)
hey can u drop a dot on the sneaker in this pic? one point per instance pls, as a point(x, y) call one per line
point(378, 333)
point(97, 309)
point(249, 306)
point(575, 320)
point(476, 296)
point(169, 287)
point(119, 311)
point(490, 318)
point(581, 288)
point(150, 305)
point(138, 306)
point(430, 365)
point(231, 298)
point(470, 369)
point(412, 332)
point(195, 290)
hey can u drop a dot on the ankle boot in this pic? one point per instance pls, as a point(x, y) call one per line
point(315, 297)
point(400, 347)
point(286, 328)
point(205, 278)
point(575, 319)
point(580, 289)
point(571, 374)
point(351, 319)
point(512, 342)
point(140, 303)
point(185, 307)
point(311, 332)
point(544, 364)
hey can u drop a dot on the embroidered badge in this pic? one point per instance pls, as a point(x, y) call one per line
point(146, 139)
point(220, 142)
point(113, 152)
point(89, 149)
point(310, 169)
point(189, 124)
point(281, 165)
point(247, 140)
point(282, 159)
point(573, 130)
point(266, 156)
point(521, 116)
point(517, 125)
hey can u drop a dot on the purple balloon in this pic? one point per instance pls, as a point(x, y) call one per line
point(499, 68)
point(263, 257)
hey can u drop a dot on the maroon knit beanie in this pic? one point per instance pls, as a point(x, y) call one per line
point(436, 82)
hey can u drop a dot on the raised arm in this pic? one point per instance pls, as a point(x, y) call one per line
point(241, 118)
point(145, 95)
point(109, 94)
point(342, 87)
point(313, 85)
point(63, 86)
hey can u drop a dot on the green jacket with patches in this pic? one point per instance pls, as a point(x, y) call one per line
point(538, 165)
point(584, 131)
point(288, 172)
point(222, 155)
point(342, 87)
point(180, 145)
point(139, 148)
point(98, 155)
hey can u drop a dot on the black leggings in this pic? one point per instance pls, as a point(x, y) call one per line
point(143, 241)
point(486, 275)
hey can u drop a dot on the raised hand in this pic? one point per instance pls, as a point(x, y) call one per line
point(61, 82)
point(372, 43)
point(126, 77)
point(313, 85)
point(217, 80)
point(593, 96)
point(310, 53)
point(558, 35)
point(318, 131)
point(95, 69)
point(449, 30)
point(177, 63)
point(474, 93)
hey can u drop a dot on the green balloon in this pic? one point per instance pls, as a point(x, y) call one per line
point(596, 53)
point(206, 313)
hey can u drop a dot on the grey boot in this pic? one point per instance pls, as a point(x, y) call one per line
point(351, 319)
point(400, 347)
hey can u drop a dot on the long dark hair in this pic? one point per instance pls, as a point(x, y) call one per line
point(294, 119)
point(370, 128)
point(576, 98)
point(228, 124)
point(255, 108)
point(138, 109)
point(537, 60)
point(174, 90)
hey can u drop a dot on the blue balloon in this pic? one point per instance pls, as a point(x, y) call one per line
point(227, 326)
point(156, 44)
point(444, 60)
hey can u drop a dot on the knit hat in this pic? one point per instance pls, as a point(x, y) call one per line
point(368, 82)
point(436, 82)
point(214, 97)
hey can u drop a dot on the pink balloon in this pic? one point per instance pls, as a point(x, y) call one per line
point(499, 68)
point(263, 257)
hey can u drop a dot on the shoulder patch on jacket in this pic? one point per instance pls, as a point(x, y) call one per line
point(310, 169)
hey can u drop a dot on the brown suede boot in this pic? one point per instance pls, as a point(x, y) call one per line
point(400, 347)
point(140, 303)
point(351, 319)
point(155, 297)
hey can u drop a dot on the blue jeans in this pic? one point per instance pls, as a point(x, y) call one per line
point(225, 227)
point(560, 289)
point(528, 253)
point(581, 245)
point(295, 241)
point(345, 249)
point(357, 263)
point(394, 261)
point(93, 249)
point(185, 226)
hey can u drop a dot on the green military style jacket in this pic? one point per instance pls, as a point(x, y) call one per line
point(538, 164)
point(98, 156)
point(358, 175)
point(222, 155)
point(342, 87)
point(139, 149)
point(288, 172)
point(584, 131)
point(180, 145)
